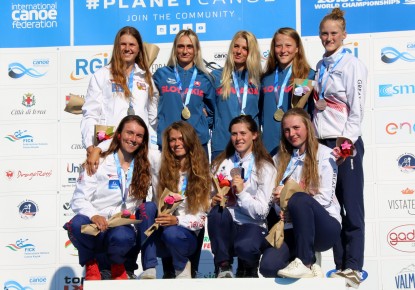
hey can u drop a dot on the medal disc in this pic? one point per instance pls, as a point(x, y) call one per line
point(321, 104)
point(130, 111)
point(186, 113)
point(236, 171)
point(278, 115)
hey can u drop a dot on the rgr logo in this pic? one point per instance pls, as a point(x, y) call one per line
point(85, 67)
point(389, 90)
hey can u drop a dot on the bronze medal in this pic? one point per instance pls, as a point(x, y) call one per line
point(278, 115)
point(186, 113)
point(321, 104)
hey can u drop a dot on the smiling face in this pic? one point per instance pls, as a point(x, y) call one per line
point(285, 50)
point(129, 48)
point(295, 132)
point(240, 53)
point(185, 52)
point(131, 137)
point(242, 139)
point(176, 144)
point(332, 36)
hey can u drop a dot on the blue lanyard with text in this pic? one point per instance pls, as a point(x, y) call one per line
point(184, 185)
point(279, 99)
point(237, 163)
point(242, 103)
point(128, 178)
point(292, 165)
point(323, 70)
point(179, 84)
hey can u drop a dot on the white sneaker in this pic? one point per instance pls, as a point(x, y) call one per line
point(296, 269)
point(150, 273)
point(317, 272)
point(186, 273)
point(353, 278)
point(225, 272)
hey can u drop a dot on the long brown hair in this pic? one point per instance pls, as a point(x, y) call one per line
point(141, 174)
point(196, 165)
point(118, 66)
point(309, 172)
point(253, 63)
point(300, 66)
point(260, 153)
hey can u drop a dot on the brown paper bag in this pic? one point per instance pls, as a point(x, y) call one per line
point(115, 221)
point(151, 51)
point(74, 104)
point(299, 96)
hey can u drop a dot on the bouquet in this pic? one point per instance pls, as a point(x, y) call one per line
point(222, 186)
point(168, 203)
point(344, 148)
point(119, 219)
point(103, 132)
point(301, 91)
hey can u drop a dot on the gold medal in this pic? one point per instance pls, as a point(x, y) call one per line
point(186, 113)
point(321, 104)
point(278, 115)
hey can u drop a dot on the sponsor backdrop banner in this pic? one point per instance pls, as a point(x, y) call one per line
point(378, 15)
point(50, 49)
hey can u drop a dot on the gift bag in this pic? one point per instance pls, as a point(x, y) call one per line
point(301, 91)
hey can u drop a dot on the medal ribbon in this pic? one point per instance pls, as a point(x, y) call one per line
point(323, 70)
point(189, 91)
point(242, 103)
point(292, 165)
point(130, 87)
point(279, 98)
point(184, 185)
point(238, 163)
point(128, 177)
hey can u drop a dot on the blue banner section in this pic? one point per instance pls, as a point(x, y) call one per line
point(97, 21)
point(34, 23)
point(362, 16)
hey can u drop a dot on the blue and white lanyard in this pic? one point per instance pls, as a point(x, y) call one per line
point(323, 70)
point(292, 165)
point(179, 84)
point(242, 102)
point(280, 98)
point(184, 185)
point(130, 87)
point(128, 177)
point(238, 163)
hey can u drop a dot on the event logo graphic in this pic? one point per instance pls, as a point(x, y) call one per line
point(85, 67)
point(389, 90)
point(37, 280)
point(9, 174)
point(402, 238)
point(17, 70)
point(404, 203)
point(20, 245)
point(28, 209)
point(73, 283)
point(406, 162)
point(390, 55)
point(14, 285)
point(410, 2)
point(353, 48)
point(393, 128)
point(19, 135)
point(28, 100)
point(71, 248)
point(405, 279)
point(35, 15)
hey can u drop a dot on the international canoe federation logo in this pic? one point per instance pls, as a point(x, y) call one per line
point(18, 135)
point(28, 209)
point(406, 162)
point(17, 70)
point(28, 100)
point(390, 55)
point(14, 285)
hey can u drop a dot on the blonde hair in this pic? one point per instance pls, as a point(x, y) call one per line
point(198, 59)
point(300, 66)
point(336, 15)
point(253, 62)
point(309, 174)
